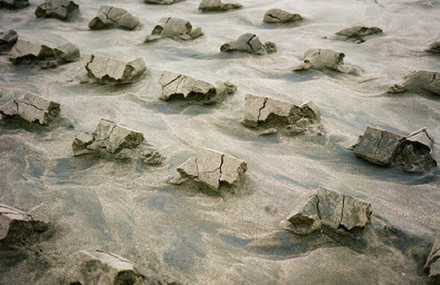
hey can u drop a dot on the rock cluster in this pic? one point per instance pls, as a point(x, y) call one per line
point(411, 153)
point(358, 33)
point(111, 17)
point(31, 108)
point(14, 4)
point(174, 28)
point(162, 2)
point(322, 59)
point(329, 209)
point(249, 43)
point(213, 169)
point(434, 47)
point(421, 82)
point(8, 39)
point(184, 87)
point(280, 16)
point(102, 69)
point(26, 52)
point(60, 9)
point(432, 266)
point(217, 5)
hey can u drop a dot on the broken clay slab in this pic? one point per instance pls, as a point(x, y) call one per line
point(419, 82)
point(162, 2)
point(217, 6)
point(323, 59)
point(249, 43)
point(111, 17)
point(59, 9)
point(358, 33)
point(174, 28)
point(213, 169)
point(332, 210)
point(8, 39)
point(434, 47)
point(432, 265)
point(280, 16)
point(14, 4)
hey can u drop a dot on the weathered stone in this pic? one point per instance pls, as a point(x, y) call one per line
point(185, 87)
point(60, 9)
point(111, 17)
point(357, 32)
point(249, 43)
point(152, 157)
point(432, 265)
point(217, 5)
point(100, 267)
point(213, 169)
point(434, 47)
point(322, 59)
point(174, 28)
point(421, 82)
point(280, 16)
point(31, 108)
point(330, 209)
point(14, 4)
point(8, 39)
point(162, 2)
point(17, 227)
point(102, 69)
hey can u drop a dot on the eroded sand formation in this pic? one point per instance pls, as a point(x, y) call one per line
point(249, 43)
point(174, 28)
point(280, 16)
point(60, 9)
point(111, 17)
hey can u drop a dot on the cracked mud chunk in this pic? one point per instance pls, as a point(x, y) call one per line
point(60, 9)
point(162, 2)
point(217, 5)
point(249, 43)
point(14, 4)
point(434, 47)
point(432, 265)
point(185, 87)
point(31, 108)
point(103, 69)
point(8, 39)
point(111, 17)
point(174, 28)
point(321, 59)
point(331, 209)
point(213, 168)
point(420, 82)
point(358, 32)
point(280, 16)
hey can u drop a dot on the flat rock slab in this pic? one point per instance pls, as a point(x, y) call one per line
point(8, 39)
point(432, 265)
point(217, 6)
point(107, 70)
point(162, 2)
point(330, 209)
point(213, 169)
point(249, 43)
point(420, 82)
point(14, 4)
point(275, 15)
point(434, 47)
point(111, 17)
point(178, 86)
point(31, 108)
point(322, 59)
point(358, 33)
point(60, 9)
point(174, 28)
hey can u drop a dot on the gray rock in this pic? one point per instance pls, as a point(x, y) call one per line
point(432, 265)
point(322, 59)
point(434, 47)
point(185, 87)
point(14, 4)
point(60, 9)
point(8, 39)
point(162, 2)
point(18, 227)
point(420, 82)
point(330, 209)
point(213, 169)
point(111, 17)
point(31, 108)
point(174, 28)
point(280, 16)
point(249, 43)
point(107, 70)
point(217, 5)
point(358, 32)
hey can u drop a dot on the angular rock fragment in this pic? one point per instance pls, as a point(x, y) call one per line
point(213, 169)
point(434, 47)
point(174, 28)
point(102, 69)
point(185, 87)
point(152, 157)
point(14, 4)
point(280, 16)
point(8, 39)
point(162, 2)
point(420, 82)
point(322, 59)
point(358, 32)
point(330, 209)
point(60, 9)
point(432, 265)
point(111, 17)
point(31, 108)
point(249, 43)
point(217, 6)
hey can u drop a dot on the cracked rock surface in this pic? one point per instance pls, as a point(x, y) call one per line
point(8, 39)
point(174, 28)
point(162, 2)
point(111, 17)
point(434, 47)
point(432, 265)
point(330, 209)
point(14, 4)
point(322, 59)
point(249, 43)
point(31, 108)
point(358, 32)
point(420, 82)
point(60, 9)
point(185, 87)
point(217, 5)
point(213, 169)
point(280, 16)
point(103, 69)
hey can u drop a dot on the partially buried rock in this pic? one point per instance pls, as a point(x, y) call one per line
point(249, 43)
point(217, 5)
point(358, 33)
point(432, 265)
point(178, 86)
point(14, 4)
point(322, 59)
point(60, 9)
point(31, 108)
point(434, 47)
point(174, 28)
point(8, 39)
point(280, 16)
point(213, 169)
point(420, 82)
point(103, 69)
point(329, 209)
point(112, 17)
point(162, 2)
